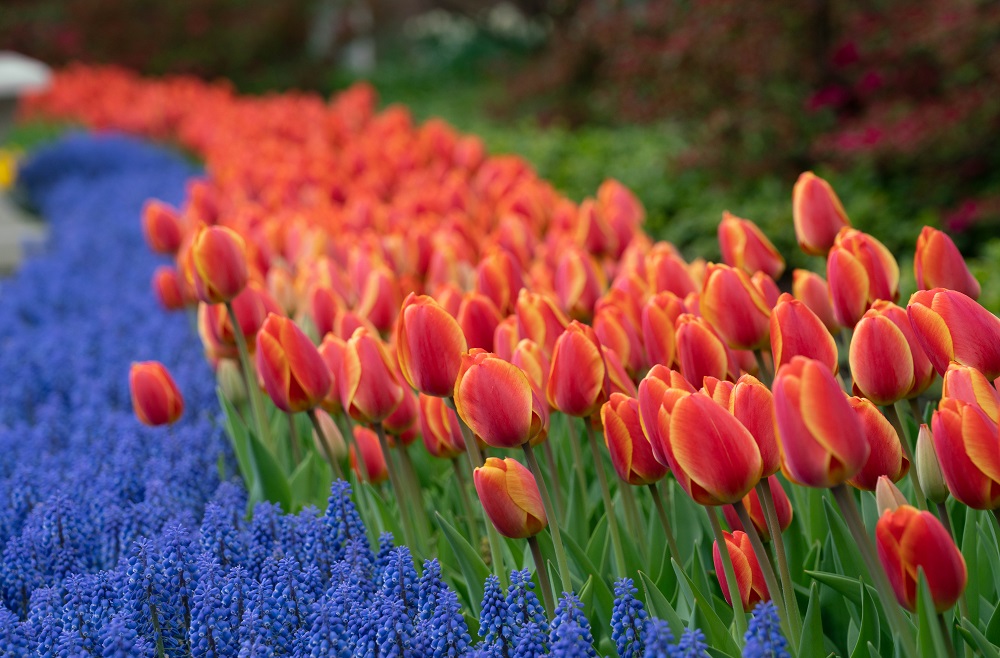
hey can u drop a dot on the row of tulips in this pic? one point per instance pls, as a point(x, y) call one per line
point(394, 281)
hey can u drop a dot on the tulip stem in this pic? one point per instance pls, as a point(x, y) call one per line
point(764, 560)
point(250, 379)
point(849, 510)
point(463, 494)
point(475, 461)
point(293, 439)
point(397, 488)
point(564, 575)
point(417, 494)
point(733, 585)
point(632, 516)
point(946, 635)
point(550, 458)
point(766, 376)
point(915, 410)
point(325, 442)
point(543, 574)
point(904, 440)
point(616, 539)
point(766, 497)
point(661, 510)
point(574, 444)
point(942, 511)
point(996, 518)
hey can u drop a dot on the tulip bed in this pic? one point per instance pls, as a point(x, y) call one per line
point(414, 340)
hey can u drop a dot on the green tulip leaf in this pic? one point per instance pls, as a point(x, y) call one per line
point(976, 639)
point(811, 640)
point(716, 632)
point(603, 596)
point(659, 606)
point(930, 639)
point(470, 563)
point(868, 633)
point(239, 438)
point(273, 483)
point(844, 545)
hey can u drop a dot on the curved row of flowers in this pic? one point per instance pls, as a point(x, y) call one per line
point(456, 296)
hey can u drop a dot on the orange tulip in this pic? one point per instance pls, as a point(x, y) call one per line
point(782, 507)
point(881, 362)
point(331, 350)
point(797, 331)
point(965, 440)
point(578, 379)
point(494, 398)
point(720, 391)
point(281, 285)
point(923, 371)
point(430, 345)
point(506, 338)
point(631, 453)
point(324, 306)
point(156, 399)
point(700, 351)
point(969, 385)
point(753, 405)
point(951, 326)
point(659, 391)
point(161, 227)
point(860, 270)
point(294, 374)
point(812, 290)
point(667, 271)
point(167, 288)
point(401, 421)
point(886, 453)
point(440, 429)
point(745, 247)
point(479, 318)
point(822, 440)
point(766, 286)
point(939, 264)
point(699, 432)
point(219, 264)
point(817, 213)
point(578, 283)
point(911, 541)
point(530, 358)
point(539, 318)
point(510, 497)
point(498, 277)
point(378, 301)
point(749, 577)
point(615, 331)
point(369, 389)
point(659, 315)
point(735, 308)
point(372, 467)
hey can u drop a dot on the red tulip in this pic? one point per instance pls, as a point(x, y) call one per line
point(766, 286)
point(430, 346)
point(294, 374)
point(881, 362)
point(579, 282)
point(923, 371)
point(510, 497)
point(701, 352)
point(615, 331)
point(797, 331)
point(951, 326)
point(745, 247)
point(219, 264)
point(735, 308)
point(479, 319)
point(886, 453)
point(331, 350)
point(369, 389)
point(860, 270)
point(817, 213)
point(378, 301)
point(822, 440)
point(753, 405)
point(401, 421)
point(539, 318)
point(325, 305)
point(372, 467)
point(440, 429)
point(667, 271)
point(156, 399)
point(969, 385)
point(782, 508)
point(167, 288)
point(498, 277)
point(659, 315)
point(506, 338)
point(530, 358)
point(812, 290)
point(281, 285)
point(494, 398)
point(718, 390)
point(161, 227)
point(619, 381)
point(631, 453)
point(911, 541)
point(749, 577)
point(965, 440)
point(659, 391)
point(939, 264)
point(578, 380)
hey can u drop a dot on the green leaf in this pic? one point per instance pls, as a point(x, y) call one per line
point(930, 639)
point(716, 632)
point(603, 595)
point(868, 634)
point(811, 641)
point(843, 543)
point(470, 562)
point(660, 607)
point(239, 438)
point(993, 627)
point(989, 544)
point(975, 638)
point(273, 483)
point(970, 551)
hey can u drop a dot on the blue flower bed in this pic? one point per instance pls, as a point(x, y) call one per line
point(121, 540)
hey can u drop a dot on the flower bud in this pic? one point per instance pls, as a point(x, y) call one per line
point(880, 358)
point(430, 346)
point(156, 400)
point(479, 319)
point(951, 326)
point(659, 315)
point(510, 497)
point(735, 308)
point(530, 358)
point(970, 385)
point(578, 379)
point(753, 405)
point(539, 318)
point(334, 440)
point(367, 458)
point(161, 227)
point(749, 576)
point(939, 264)
point(860, 270)
point(219, 264)
point(659, 391)
point(701, 352)
point(888, 497)
point(167, 288)
point(885, 456)
point(812, 290)
point(631, 453)
point(817, 213)
point(932, 481)
point(440, 429)
point(965, 441)
point(294, 374)
point(494, 398)
point(745, 247)
point(369, 389)
point(797, 331)
point(230, 381)
point(616, 332)
point(782, 508)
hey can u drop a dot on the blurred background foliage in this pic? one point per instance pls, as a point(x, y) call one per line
point(699, 107)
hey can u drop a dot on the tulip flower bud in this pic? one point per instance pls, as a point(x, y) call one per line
point(923, 371)
point(371, 466)
point(161, 227)
point(281, 285)
point(219, 264)
point(735, 308)
point(440, 429)
point(939, 264)
point(970, 385)
point(530, 358)
point(888, 497)
point(749, 576)
point(911, 541)
point(506, 338)
point(745, 247)
point(498, 277)
point(753, 405)
point(860, 270)
point(658, 392)
point(766, 286)
point(701, 352)
point(659, 315)
point(817, 213)
point(294, 374)
point(510, 497)
point(230, 380)
point(369, 389)
point(578, 379)
point(965, 442)
point(928, 468)
point(400, 421)
point(539, 318)
point(333, 437)
point(880, 358)
point(494, 398)
point(667, 271)
point(615, 331)
point(885, 456)
point(325, 304)
point(797, 331)
point(156, 399)
point(812, 290)
point(718, 390)
point(951, 326)
point(167, 288)
point(822, 441)
point(631, 453)
point(378, 301)
point(782, 507)
point(430, 344)
point(578, 283)
point(479, 319)
point(331, 350)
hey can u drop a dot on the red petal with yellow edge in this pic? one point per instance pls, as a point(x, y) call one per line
point(932, 333)
point(496, 403)
point(849, 287)
point(826, 413)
